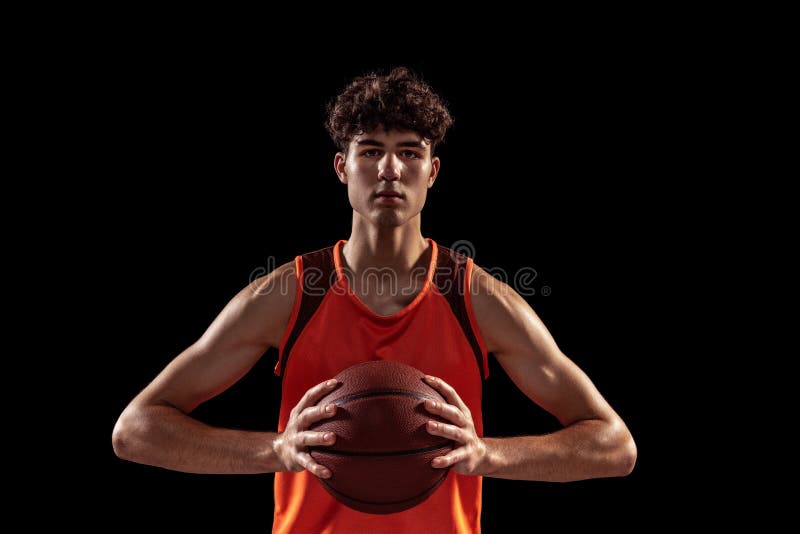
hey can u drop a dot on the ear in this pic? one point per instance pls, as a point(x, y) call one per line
point(435, 163)
point(339, 161)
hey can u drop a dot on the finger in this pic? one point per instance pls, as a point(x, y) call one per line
point(313, 414)
point(451, 458)
point(447, 391)
point(316, 393)
point(313, 467)
point(311, 439)
point(446, 431)
point(448, 411)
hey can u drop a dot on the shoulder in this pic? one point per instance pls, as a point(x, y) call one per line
point(277, 285)
point(489, 291)
point(499, 310)
point(266, 303)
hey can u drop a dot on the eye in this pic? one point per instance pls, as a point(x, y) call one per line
point(371, 153)
point(409, 154)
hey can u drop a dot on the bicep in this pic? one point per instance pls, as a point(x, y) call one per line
point(251, 322)
point(530, 356)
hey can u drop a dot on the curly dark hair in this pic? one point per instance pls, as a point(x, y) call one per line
point(400, 100)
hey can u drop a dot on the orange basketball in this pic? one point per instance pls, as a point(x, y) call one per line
point(381, 461)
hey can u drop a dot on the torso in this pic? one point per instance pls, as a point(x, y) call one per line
point(425, 325)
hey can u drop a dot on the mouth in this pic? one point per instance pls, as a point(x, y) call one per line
point(389, 197)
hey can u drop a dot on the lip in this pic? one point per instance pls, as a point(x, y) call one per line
point(389, 197)
point(388, 194)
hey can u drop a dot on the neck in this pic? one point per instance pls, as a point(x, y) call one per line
point(396, 247)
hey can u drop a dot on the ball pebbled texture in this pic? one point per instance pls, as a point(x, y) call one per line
point(381, 460)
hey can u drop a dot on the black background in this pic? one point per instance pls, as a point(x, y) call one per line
point(218, 166)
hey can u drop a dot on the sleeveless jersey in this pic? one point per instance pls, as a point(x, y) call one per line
point(331, 329)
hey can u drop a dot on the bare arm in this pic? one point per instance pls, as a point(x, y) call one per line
point(594, 442)
point(155, 427)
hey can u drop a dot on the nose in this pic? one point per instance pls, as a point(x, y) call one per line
point(389, 167)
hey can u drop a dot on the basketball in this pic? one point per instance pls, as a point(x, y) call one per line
point(381, 461)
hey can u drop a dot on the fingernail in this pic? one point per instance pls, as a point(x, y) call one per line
point(331, 383)
point(429, 378)
point(329, 408)
point(328, 436)
point(434, 425)
point(432, 404)
point(325, 473)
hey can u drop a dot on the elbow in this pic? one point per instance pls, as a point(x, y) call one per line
point(123, 437)
point(626, 456)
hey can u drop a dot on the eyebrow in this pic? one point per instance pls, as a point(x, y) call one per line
point(375, 142)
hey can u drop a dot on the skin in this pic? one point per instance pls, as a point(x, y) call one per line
point(156, 428)
point(594, 442)
point(386, 236)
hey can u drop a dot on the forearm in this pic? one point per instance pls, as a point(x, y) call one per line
point(585, 449)
point(164, 436)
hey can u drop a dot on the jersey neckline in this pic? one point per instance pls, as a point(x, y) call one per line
point(341, 279)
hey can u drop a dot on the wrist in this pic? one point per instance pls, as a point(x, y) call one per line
point(271, 455)
point(492, 456)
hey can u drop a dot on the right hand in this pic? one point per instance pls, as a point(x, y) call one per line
point(291, 446)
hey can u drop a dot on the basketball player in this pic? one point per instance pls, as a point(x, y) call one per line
point(436, 311)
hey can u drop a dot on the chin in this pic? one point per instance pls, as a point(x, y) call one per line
point(388, 220)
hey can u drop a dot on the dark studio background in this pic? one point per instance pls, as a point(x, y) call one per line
point(225, 169)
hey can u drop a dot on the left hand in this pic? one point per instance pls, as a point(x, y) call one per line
point(468, 458)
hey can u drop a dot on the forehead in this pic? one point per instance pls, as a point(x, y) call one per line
point(390, 137)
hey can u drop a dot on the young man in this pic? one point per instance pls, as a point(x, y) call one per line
point(388, 293)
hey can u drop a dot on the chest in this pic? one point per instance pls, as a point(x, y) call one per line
point(385, 304)
point(386, 297)
point(342, 333)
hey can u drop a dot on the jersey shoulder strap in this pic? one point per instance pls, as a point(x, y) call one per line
point(452, 280)
point(316, 273)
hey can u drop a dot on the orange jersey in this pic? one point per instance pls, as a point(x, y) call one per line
point(331, 329)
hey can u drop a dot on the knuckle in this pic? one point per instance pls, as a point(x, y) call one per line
point(299, 421)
